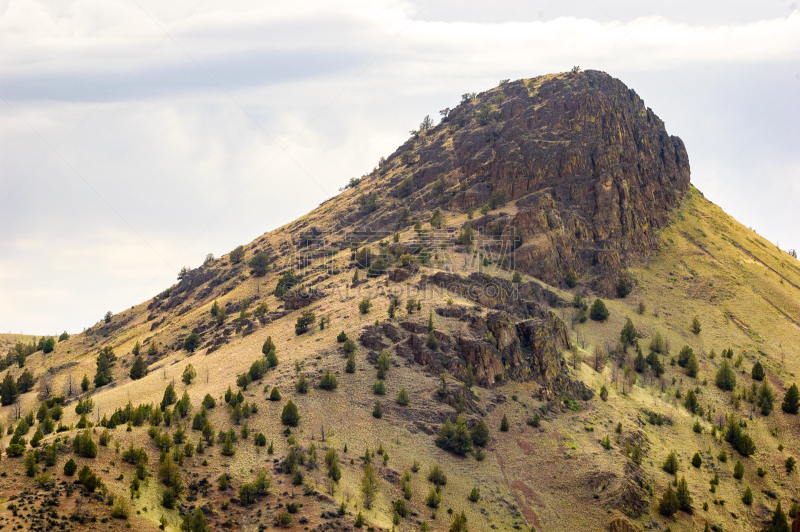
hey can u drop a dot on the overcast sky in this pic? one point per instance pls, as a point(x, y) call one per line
point(136, 136)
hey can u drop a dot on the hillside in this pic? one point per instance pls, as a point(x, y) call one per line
point(489, 224)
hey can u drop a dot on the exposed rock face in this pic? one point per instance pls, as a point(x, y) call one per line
point(521, 299)
point(521, 342)
point(592, 170)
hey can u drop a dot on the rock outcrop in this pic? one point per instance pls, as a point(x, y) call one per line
point(591, 169)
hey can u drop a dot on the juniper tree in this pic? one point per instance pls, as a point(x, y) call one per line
point(758, 371)
point(669, 504)
point(726, 377)
point(671, 463)
point(683, 496)
point(791, 400)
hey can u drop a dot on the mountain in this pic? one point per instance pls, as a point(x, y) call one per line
point(477, 257)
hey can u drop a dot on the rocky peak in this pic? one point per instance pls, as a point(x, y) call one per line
point(591, 170)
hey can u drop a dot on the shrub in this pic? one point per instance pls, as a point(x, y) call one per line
point(697, 461)
point(341, 337)
point(170, 397)
point(349, 346)
point(455, 438)
point(695, 327)
point(328, 381)
point(350, 365)
point(683, 495)
point(402, 397)
point(289, 416)
point(684, 356)
point(692, 366)
point(791, 400)
point(369, 486)
point(189, 374)
point(285, 283)
point(747, 498)
point(790, 464)
point(192, 342)
point(377, 412)
point(598, 311)
point(272, 359)
point(628, 335)
point(726, 377)
point(738, 470)
point(138, 369)
point(431, 341)
point(302, 384)
point(671, 463)
point(120, 510)
point(83, 445)
point(504, 424)
point(758, 371)
point(436, 476)
point(474, 495)
point(268, 346)
point(275, 395)
point(306, 320)
point(379, 388)
point(259, 264)
point(434, 498)
point(70, 467)
point(237, 255)
point(669, 505)
point(383, 364)
point(364, 305)
point(691, 403)
point(480, 434)
point(765, 399)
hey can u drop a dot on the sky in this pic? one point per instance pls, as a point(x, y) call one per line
point(137, 136)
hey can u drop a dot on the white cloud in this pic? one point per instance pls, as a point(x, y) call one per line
point(171, 166)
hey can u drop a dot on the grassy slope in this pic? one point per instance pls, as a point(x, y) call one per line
point(709, 266)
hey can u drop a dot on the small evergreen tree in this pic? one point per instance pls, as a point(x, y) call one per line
point(758, 371)
point(628, 335)
point(692, 367)
point(306, 320)
point(377, 412)
point(275, 395)
point(138, 369)
point(402, 397)
point(669, 504)
point(504, 424)
point(747, 498)
point(350, 365)
point(189, 374)
point(268, 346)
point(192, 342)
point(671, 463)
point(683, 495)
point(779, 523)
point(598, 311)
point(697, 461)
point(328, 381)
point(726, 378)
point(696, 328)
point(302, 384)
point(738, 470)
point(791, 400)
point(289, 416)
